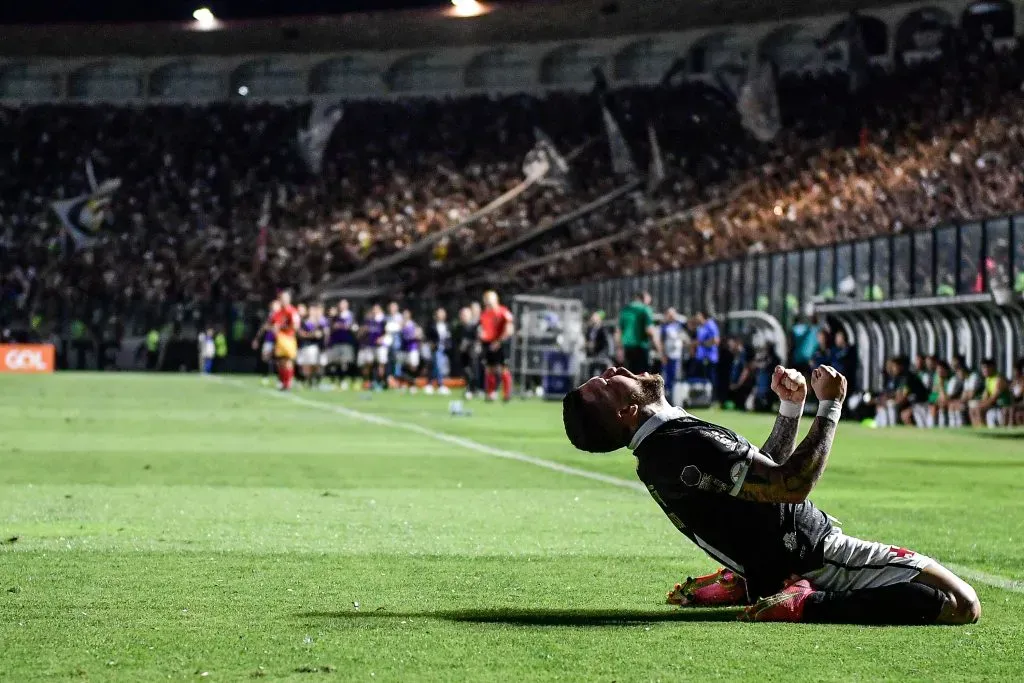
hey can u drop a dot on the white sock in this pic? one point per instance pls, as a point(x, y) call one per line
point(880, 417)
point(943, 417)
point(929, 421)
point(892, 414)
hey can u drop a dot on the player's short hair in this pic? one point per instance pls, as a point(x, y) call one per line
point(587, 429)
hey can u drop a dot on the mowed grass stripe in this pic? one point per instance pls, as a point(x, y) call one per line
point(986, 578)
point(442, 436)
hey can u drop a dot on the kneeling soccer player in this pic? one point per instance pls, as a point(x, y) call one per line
point(747, 508)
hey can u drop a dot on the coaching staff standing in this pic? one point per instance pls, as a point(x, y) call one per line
point(636, 333)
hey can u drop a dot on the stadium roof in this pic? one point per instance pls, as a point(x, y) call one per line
point(406, 29)
point(62, 11)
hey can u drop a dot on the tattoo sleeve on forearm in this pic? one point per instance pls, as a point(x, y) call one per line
point(782, 440)
point(768, 482)
point(809, 459)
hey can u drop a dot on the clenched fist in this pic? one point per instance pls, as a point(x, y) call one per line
point(828, 384)
point(789, 385)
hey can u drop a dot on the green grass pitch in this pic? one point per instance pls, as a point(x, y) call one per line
point(156, 528)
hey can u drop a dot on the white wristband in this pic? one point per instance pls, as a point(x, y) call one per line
point(830, 410)
point(791, 409)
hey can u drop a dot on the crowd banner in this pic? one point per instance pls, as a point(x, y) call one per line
point(758, 102)
point(618, 148)
point(324, 117)
point(26, 359)
point(83, 217)
point(656, 174)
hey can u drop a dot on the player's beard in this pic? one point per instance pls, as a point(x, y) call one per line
point(652, 390)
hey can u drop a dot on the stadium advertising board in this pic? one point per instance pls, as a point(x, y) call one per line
point(26, 358)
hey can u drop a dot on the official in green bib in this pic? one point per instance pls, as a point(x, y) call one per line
point(636, 334)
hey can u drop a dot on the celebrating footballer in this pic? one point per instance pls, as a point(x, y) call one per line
point(783, 559)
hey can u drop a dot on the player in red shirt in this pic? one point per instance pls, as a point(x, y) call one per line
point(285, 321)
point(496, 326)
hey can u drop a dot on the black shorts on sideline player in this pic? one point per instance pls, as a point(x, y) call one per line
point(494, 357)
point(637, 359)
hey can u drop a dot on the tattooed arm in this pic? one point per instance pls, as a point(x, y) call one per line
point(791, 481)
point(781, 442)
point(788, 385)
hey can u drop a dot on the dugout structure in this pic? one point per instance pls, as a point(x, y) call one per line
point(547, 346)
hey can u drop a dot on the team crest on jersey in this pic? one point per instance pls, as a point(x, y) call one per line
point(690, 476)
point(737, 470)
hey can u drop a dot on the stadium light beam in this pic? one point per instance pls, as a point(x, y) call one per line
point(205, 19)
point(467, 8)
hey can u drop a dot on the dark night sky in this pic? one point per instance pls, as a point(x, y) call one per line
point(58, 11)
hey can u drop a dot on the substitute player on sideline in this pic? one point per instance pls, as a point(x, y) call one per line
point(285, 321)
point(747, 507)
point(265, 341)
point(341, 345)
point(496, 327)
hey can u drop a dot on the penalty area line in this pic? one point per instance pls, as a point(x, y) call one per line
point(992, 580)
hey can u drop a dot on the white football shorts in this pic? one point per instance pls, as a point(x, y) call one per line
point(409, 359)
point(309, 355)
point(342, 354)
point(853, 564)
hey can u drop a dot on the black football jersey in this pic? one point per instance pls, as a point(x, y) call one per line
point(694, 469)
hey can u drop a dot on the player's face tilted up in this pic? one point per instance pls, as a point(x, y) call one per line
point(747, 507)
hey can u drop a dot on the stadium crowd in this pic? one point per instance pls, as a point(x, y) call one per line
point(917, 145)
point(925, 144)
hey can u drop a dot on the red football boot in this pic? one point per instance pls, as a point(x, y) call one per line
point(785, 606)
point(722, 589)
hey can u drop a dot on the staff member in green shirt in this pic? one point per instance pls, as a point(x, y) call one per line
point(636, 333)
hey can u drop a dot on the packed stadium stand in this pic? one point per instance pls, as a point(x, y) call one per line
point(893, 122)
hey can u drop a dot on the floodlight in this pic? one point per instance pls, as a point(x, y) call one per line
point(467, 8)
point(205, 19)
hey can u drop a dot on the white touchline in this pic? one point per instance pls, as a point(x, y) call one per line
point(993, 580)
point(973, 574)
point(440, 436)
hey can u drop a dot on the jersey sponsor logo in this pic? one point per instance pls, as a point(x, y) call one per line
point(720, 438)
point(656, 496)
point(26, 358)
point(693, 477)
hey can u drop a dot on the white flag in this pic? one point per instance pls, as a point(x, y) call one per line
point(622, 157)
point(313, 140)
point(546, 161)
point(536, 163)
point(656, 173)
point(758, 102)
point(90, 173)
